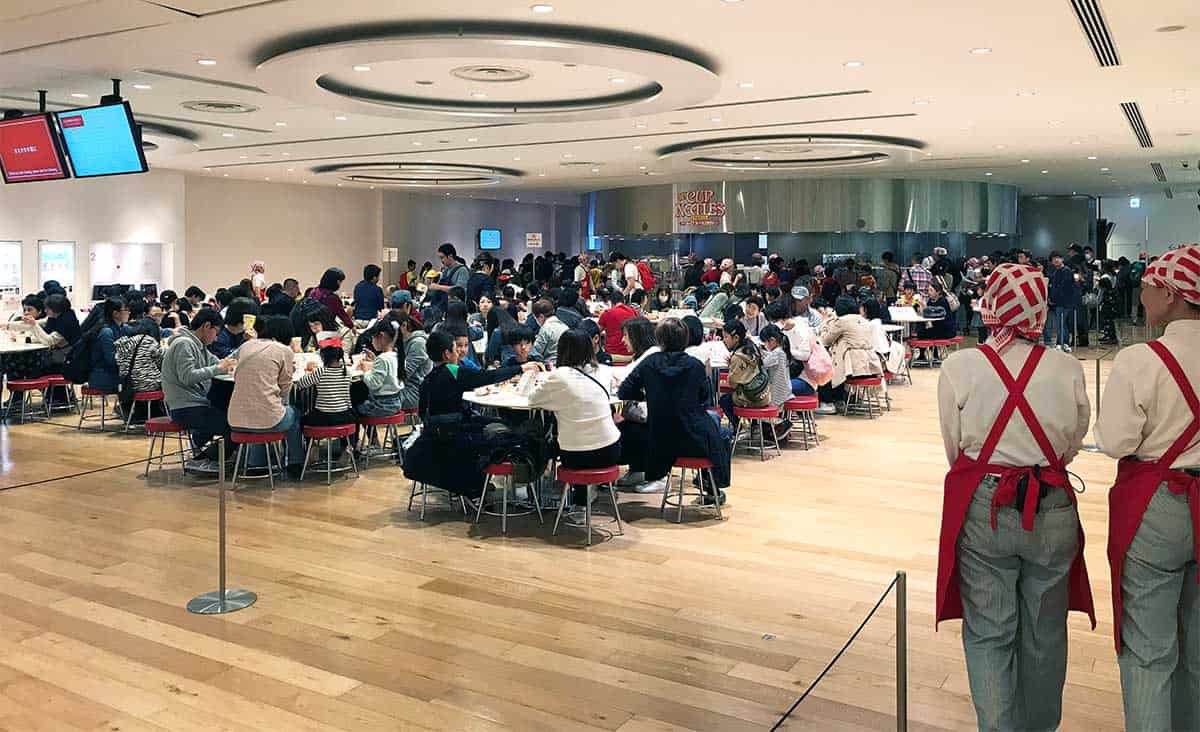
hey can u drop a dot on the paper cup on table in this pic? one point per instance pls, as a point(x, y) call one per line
point(248, 320)
point(296, 345)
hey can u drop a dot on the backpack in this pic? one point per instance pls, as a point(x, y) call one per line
point(78, 367)
point(754, 392)
point(646, 276)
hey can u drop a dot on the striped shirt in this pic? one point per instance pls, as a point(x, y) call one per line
point(147, 368)
point(333, 388)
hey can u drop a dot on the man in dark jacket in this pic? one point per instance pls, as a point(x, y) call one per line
point(1064, 298)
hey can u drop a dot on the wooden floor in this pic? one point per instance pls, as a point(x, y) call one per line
point(370, 620)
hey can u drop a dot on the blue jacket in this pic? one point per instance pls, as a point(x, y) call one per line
point(368, 300)
point(104, 374)
point(1063, 292)
point(226, 343)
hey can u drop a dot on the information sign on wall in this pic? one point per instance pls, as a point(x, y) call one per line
point(533, 240)
point(698, 209)
point(56, 261)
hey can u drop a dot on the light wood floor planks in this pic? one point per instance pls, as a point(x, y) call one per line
point(371, 620)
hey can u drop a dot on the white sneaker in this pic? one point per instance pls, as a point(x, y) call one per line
point(827, 409)
point(657, 486)
point(1066, 348)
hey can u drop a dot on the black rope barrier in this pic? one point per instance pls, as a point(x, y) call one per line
point(839, 655)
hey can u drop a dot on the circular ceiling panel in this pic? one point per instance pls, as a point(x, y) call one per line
point(499, 73)
point(420, 175)
point(793, 152)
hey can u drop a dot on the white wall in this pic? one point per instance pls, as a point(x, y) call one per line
point(1173, 221)
point(298, 231)
point(131, 208)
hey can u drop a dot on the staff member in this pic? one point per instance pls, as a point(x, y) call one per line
point(1011, 556)
point(1149, 419)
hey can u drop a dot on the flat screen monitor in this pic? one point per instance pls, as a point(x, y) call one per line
point(489, 239)
point(102, 141)
point(149, 289)
point(103, 292)
point(30, 150)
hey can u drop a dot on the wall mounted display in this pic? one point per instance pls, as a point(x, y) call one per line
point(102, 141)
point(489, 239)
point(30, 150)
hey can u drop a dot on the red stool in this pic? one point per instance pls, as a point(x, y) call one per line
point(862, 396)
point(802, 413)
point(158, 428)
point(411, 416)
point(505, 470)
point(147, 400)
point(89, 397)
point(700, 467)
point(389, 423)
point(273, 442)
point(315, 435)
point(765, 418)
point(589, 478)
point(58, 381)
point(23, 390)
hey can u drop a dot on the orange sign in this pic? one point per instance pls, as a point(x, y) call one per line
point(698, 209)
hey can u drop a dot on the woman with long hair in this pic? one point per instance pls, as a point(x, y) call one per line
point(638, 336)
point(102, 338)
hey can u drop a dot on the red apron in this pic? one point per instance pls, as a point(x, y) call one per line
point(1137, 482)
point(966, 474)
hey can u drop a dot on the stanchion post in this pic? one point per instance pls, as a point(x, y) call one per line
point(223, 600)
point(1092, 446)
point(901, 652)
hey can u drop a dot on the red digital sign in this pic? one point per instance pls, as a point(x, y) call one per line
point(30, 151)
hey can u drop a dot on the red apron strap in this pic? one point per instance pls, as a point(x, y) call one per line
point(1184, 441)
point(1016, 401)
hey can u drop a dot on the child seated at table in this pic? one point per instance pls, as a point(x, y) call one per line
point(520, 339)
point(331, 381)
point(381, 372)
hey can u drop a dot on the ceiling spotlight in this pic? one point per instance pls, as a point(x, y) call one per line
point(472, 139)
point(417, 143)
point(285, 154)
point(77, 95)
point(339, 185)
point(1104, 170)
point(206, 61)
point(595, 170)
point(1001, 147)
point(988, 174)
point(867, 131)
point(540, 175)
point(281, 124)
point(226, 134)
point(242, 157)
point(517, 200)
point(340, 118)
point(543, 9)
point(853, 64)
point(362, 67)
point(479, 95)
point(291, 170)
point(1024, 160)
point(745, 85)
point(1091, 157)
point(616, 80)
point(304, 182)
point(1044, 172)
point(981, 51)
point(143, 87)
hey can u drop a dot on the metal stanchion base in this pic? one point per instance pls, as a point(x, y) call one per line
point(210, 603)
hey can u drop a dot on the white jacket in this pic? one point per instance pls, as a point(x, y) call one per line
point(581, 405)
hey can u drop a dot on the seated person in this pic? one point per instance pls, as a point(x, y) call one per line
point(938, 306)
point(593, 331)
point(676, 391)
point(29, 364)
point(710, 353)
point(331, 380)
point(611, 321)
point(747, 376)
point(754, 319)
point(520, 340)
point(139, 362)
point(777, 360)
point(565, 309)
point(908, 297)
point(102, 338)
point(448, 452)
point(662, 300)
point(414, 358)
point(638, 334)
point(550, 328)
point(587, 436)
point(848, 338)
point(262, 388)
point(188, 369)
point(233, 334)
point(381, 371)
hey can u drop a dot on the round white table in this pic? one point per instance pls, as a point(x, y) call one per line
point(21, 347)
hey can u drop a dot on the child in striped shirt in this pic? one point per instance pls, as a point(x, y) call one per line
point(332, 381)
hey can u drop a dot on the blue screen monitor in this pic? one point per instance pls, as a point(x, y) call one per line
point(489, 239)
point(102, 141)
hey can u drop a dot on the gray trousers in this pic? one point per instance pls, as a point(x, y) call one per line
point(1015, 586)
point(1160, 628)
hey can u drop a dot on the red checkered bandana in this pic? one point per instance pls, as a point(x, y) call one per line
point(1014, 304)
point(1178, 271)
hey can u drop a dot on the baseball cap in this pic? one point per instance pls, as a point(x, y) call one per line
point(799, 292)
point(400, 297)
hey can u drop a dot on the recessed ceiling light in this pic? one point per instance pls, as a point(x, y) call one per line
point(1170, 28)
point(77, 95)
point(1056, 123)
point(853, 64)
point(921, 102)
point(731, 2)
point(208, 170)
point(1024, 160)
point(479, 95)
point(143, 87)
point(226, 134)
point(242, 157)
point(1001, 147)
point(616, 80)
point(371, 187)
point(856, 152)
point(641, 167)
point(745, 85)
point(1104, 170)
point(540, 175)
point(417, 143)
point(362, 67)
point(340, 118)
point(339, 185)
point(266, 179)
point(225, 175)
point(1044, 172)
point(472, 139)
point(988, 174)
point(981, 51)
point(206, 61)
point(758, 157)
point(1076, 142)
point(517, 200)
point(595, 170)
point(286, 154)
point(714, 119)
point(1091, 157)
point(1027, 93)
point(281, 124)
point(517, 159)
point(637, 147)
point(568, 155)
point(867, 131)
point(291, 170)
point(542, 8)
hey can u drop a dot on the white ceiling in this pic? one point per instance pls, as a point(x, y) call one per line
point(1038, 96)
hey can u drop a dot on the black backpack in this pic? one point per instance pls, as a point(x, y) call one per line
point(78, 367)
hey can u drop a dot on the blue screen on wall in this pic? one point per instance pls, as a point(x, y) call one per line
point(102, 141)
point(489, 239)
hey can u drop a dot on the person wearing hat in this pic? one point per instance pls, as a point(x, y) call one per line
point(802, 307)
point(1010, 560)
point(401, 303)
point(1149, 419)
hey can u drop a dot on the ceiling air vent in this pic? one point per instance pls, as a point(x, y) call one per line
point(1133, 113)
point(215, 107)
point(1159, 174)
point(1091, 20)
point(1168, 193)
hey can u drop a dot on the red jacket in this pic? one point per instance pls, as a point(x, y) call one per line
point(610, 322)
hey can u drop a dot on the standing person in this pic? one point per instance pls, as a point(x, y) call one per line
point(889, 278)
point(1010, 564)
point(1149, 419)
point(454, 274)
point(408, 279)
point(626, 277)
point(368, 297)
point(1063, 300)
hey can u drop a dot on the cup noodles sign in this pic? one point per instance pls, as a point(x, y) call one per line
point(698, 209)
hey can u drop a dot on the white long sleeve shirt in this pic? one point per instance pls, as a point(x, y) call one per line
point(971, 394)
point(581, 407)
point(1143, 412)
